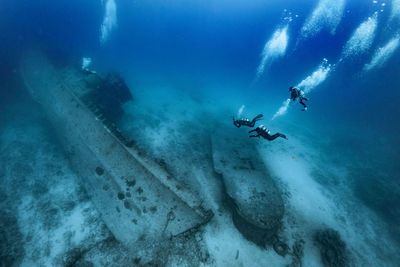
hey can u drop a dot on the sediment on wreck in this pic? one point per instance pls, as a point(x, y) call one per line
point(254, 199)
point(140, 202)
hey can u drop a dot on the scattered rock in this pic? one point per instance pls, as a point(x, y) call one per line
point(99, 171)
point(280, 248)
point(73, 256)
point(127, 205)
point(39, 189)
point(121, 196)
point(67, 205)
point(153, 209)
point(130, 183)
point(11, 245)
point(136, 261)
point(297, 253)
point(332, 248)
point(237, 255)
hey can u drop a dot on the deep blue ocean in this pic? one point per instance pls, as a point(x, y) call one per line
point(233, 58)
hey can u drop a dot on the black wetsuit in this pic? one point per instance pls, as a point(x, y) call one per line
point(297, 93)
point(246, 122)
point(264, 133)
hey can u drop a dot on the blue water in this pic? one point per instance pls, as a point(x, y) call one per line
point(212, 49)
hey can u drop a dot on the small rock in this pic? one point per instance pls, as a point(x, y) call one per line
point(121, 196)
point(153, 209)
point(280, 248)
point(99, 171)
point(130, 183)
point(332, 248)
point(237, 255)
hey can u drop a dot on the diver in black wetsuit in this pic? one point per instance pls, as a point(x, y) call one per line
point(297, 93)
point(247, 122)
point(264, 133)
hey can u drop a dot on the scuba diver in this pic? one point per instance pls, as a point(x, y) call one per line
point(265, 133)
point(297, 93)
point(247, 122)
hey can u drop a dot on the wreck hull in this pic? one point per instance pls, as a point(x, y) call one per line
point(255, 200)
point(137, 204)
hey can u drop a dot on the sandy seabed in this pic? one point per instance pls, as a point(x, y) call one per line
point(47, 218)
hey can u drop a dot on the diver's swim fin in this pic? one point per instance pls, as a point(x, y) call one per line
point(258, 117)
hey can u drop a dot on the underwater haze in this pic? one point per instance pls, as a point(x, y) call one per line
point(190, 67)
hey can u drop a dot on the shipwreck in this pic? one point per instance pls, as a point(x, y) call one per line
point(140, 202)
